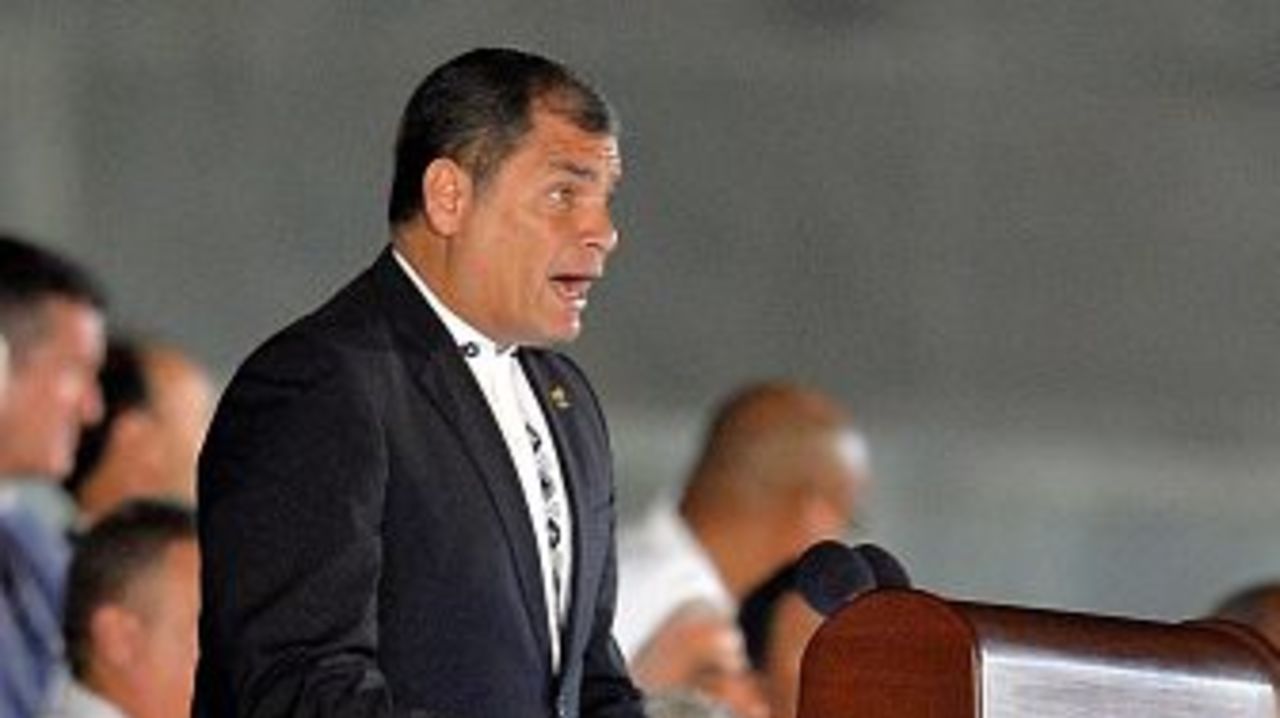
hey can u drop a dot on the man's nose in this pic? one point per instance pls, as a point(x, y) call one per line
point(599, 231)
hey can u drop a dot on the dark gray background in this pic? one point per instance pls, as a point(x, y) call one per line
point(1032, 243)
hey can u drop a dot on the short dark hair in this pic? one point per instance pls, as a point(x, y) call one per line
point(475, 108)
point(756, 615)
point(124, 387)
point(30, 275)
point(123, 547)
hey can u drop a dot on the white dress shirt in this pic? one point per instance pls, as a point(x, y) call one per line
point(513, 403)
point(74, 700)
point(661, 566)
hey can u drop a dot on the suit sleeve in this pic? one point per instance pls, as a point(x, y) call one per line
point(291, 491)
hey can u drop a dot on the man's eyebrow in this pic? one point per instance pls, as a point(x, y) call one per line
point(576, 169)
point(583, 172)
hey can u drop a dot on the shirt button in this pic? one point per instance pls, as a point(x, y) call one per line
point(471, 350)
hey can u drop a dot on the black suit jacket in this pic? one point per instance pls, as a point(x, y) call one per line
point(366, 546)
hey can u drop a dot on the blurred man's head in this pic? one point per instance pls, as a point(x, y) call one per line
point(51, 315)
point(777, 624)
point(132, 605)
point(157, 403)
point(698, 649)
point(782, 468)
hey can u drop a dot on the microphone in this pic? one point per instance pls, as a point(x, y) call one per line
point(830, 573)
point(886, 569)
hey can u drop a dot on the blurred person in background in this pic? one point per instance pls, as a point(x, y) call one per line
point(130, 622)
point(698, 650)
point(777, 624)
point(782, 467)
point(52, 318)
point(157, 404)
point(51, 314)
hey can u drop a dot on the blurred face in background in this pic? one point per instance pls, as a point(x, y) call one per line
point(145, 647)
point(700, 650)
point(842, 477)
point(52, 391)
point(152, 448)
point(183, 406)
point(168, 648)
point(826, 501)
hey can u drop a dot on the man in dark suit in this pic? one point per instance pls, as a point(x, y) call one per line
point(406, 502)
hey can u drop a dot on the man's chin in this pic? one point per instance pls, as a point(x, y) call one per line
point(56, 466)
point(56, 472)
point(568, 333)
point(44, 472)
point(562, 332)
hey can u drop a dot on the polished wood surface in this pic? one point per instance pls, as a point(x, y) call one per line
point(908, 654)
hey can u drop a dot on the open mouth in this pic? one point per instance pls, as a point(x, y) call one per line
point(573, 288)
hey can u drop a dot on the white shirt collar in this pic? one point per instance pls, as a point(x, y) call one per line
point(75, 700)
point(8, 494)
point(471, 341)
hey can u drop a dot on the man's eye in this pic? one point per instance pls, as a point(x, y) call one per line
point(562, 195)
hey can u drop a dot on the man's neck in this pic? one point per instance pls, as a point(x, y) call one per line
point(111, 689)
point(427, 265)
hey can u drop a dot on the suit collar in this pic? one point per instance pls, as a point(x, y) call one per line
point(416, 329)
point(442, 374)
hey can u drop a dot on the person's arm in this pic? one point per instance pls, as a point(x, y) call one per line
point(291, 490)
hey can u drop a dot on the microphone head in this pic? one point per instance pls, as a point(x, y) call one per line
point(830, 573)
point(886, 569)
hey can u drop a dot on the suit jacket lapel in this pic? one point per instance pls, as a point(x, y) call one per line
point(449, 384)
point(557, 410)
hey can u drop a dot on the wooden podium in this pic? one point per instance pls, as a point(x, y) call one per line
point(909, 654)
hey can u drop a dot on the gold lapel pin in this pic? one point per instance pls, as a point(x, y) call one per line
point(559, 398)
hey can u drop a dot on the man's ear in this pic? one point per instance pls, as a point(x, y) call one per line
point(446, 195)
point(115, 635)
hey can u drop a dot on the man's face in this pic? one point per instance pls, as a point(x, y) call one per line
point(827, 505)
point(537, 234)
point(167, 606)
point(152, 448)
point(52, 392)
point(179, 412)
point(844, 478)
